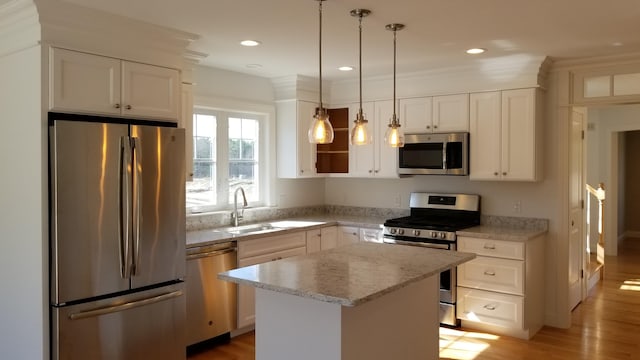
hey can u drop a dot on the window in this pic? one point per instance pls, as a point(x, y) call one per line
point(226, 156)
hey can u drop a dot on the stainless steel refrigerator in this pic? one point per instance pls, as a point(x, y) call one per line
point(117, 239)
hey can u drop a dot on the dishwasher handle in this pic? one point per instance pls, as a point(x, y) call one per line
point(211, 253)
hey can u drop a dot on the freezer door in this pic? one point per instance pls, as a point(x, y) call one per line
point(143, 325)
point(85, 200)
point(159, 199)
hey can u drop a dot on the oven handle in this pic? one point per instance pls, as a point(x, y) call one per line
point(420, 244)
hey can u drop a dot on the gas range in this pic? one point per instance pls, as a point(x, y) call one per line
point(433, 222)
point(435, 217)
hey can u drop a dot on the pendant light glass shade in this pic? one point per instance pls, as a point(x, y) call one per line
point(394, 136)
point(360, 134)
point(320, 131)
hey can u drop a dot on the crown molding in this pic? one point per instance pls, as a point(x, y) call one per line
point(298, 87)
point(80, 28)
point(595, 62)
point(19, 26)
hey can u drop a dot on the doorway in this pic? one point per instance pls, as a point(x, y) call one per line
point(612, 140)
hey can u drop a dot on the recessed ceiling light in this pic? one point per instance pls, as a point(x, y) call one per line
point(617, 43)
point(476, 51)
point(345, 68)
point(249, 43)
point(254, 66)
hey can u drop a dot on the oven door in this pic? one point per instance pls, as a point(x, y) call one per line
point(448, 278)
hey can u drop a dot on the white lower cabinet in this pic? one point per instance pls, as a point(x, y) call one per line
point(501, 290)
point(322, 239)
point(371, 235)
point(348, 235)
point(258, 251)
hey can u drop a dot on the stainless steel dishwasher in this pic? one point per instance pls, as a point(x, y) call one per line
point(211, 303)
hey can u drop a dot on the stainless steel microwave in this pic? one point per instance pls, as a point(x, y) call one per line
point(434, 154)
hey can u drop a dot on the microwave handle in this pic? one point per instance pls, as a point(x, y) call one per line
point(444, 155)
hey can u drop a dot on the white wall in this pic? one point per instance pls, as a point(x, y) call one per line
point(23, 219)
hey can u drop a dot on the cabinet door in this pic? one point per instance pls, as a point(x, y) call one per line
point(84, 83)
point(518, 134)
point(186, 122)
point(484, 136)
point(371, 235)
point(306, 151)
point(386, 157)
point(328, 237)
point(150, 91)
point(451, 113)
point(361, 157)
point(348, 235)
point(247, 294)
point(313, 241)
point(416, 114)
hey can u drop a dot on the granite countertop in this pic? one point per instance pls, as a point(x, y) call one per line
point(349, 275)
point(284, 226)
point(498, 232)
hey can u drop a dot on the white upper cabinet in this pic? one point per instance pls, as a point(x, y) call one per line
point(296, 156)
point(438, 114)
point(92, 84)
point(376, 159)
point(150, 91)
point(504, 135)
point(415, 115)
point(451, 113)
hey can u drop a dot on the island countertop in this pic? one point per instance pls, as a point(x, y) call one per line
point(348, 275)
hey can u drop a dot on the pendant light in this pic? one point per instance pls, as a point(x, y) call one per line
point(360, 134)
point(394, 136)
point(321, 131)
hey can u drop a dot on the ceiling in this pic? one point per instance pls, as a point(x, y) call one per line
point(436, 35)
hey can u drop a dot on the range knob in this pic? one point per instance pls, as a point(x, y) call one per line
point(416, 232)
point(400, 231)
point(434, 234)
point(443, 235)
point(392, 230)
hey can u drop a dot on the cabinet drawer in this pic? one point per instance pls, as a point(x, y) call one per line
point(490, 247)
point(271, 244)
point(272, 256)
point(494, 274)
point(491, 308)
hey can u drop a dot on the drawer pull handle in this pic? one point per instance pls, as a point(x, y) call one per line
point(490, 273)
point(490, 307)
point(489, 246)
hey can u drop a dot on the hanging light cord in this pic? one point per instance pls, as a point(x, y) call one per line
point(394, 76)
point(320, 54)
point(360, 64)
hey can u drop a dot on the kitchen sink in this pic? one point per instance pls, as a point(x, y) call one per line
point(251, 229)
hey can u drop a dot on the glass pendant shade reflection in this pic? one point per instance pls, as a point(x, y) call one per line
point(394, 136)
point(321, 131)
point(360, 134)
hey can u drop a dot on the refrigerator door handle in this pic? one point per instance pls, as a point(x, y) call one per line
point(124, 222)
point(137, 201)
point(126, 306)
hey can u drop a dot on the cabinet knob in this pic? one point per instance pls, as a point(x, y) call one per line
point(435, 126)
point(495, 173)
point(117, 106)
point(504, 173)
point(301, 171)
point(428, 127)
point(370, 171)
point(376, 171)
point(128, 107)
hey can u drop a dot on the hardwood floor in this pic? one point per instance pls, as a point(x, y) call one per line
point(606, 326)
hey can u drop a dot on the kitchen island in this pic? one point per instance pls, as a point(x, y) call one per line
point(361, 301)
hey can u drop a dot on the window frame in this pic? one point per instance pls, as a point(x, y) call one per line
point(265, 166)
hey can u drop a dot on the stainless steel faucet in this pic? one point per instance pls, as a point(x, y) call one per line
point(235, 217)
